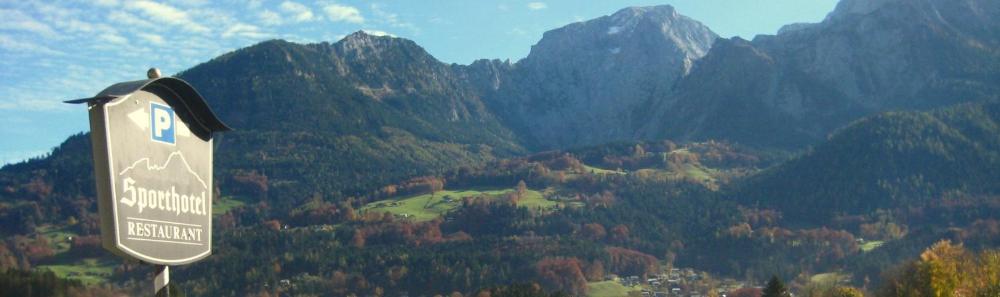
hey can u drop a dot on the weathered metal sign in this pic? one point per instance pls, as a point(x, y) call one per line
point(152, 143)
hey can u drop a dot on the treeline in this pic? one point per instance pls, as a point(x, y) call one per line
point(46, 284)
point(646, 154)
point(335, 262)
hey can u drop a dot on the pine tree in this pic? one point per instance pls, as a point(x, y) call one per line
point(775, 288)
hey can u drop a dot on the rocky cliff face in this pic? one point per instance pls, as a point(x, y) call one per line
point(866, 57)
point(586, 83)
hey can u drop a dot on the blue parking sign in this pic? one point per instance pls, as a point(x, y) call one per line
point(161, 119)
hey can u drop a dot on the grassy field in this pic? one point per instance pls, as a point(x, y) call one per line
point(427, 207)
point(696, 172)
point(225, 204)
point(828, 278)
point(58, 237)
point(596, 170)
point(871, 245)
point(699, 173)
point(535, 200)
point(89, 270)
point(609, 289)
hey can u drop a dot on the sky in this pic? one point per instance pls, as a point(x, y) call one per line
point(52, 51)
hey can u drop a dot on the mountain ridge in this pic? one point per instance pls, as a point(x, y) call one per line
point(896, 55)
point(340, 119)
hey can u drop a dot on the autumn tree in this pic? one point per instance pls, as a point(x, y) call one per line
point(845, 292)
point(943, 270)
point(562, 275)
point(619, 233)
point(522, 189)
point(939, 266)
point(359, 238)
point(594, 231)
point(630, 262)
point(595, 271)
point(273, 225)
point(745, 292)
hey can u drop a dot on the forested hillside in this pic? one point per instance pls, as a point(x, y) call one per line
point(890, 160)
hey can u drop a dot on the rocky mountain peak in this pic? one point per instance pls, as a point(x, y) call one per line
point(362, 45)
point(653, 26)
point(581, 83)
point(628, 18)
point(363, 38)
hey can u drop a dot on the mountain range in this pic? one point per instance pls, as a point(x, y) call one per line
point(340, 119)
point(886, 105)
point(343, 118)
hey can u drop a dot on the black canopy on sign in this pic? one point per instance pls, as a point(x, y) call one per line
point(186, 94)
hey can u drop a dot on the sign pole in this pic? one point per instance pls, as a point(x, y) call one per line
point(161, 273)
point(161, 280)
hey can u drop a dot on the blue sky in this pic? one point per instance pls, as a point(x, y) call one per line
point(56, 50)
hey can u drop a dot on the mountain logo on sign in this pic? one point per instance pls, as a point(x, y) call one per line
point(153, 167)
point(149, 194)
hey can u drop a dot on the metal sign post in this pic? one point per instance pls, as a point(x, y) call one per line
point(152, 149)
point(161, 280)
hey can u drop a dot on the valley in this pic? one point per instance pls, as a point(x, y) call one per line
point(626, 155)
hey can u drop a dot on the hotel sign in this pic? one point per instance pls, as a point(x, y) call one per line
point(152, 149)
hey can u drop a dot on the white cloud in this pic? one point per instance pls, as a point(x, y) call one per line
point(243, 30)
point(214, 18)
point(269, 18)
point(195, 3)
point(167, 14)
point(106, 3)
point(300, 13)
point(50, 12)
point(254, 4)
point(151, 38)
point(11, 44)
point(391, 19)
point(29, 97)
point(377, 33)
point(537, 5)
point(343, 13)
point(18, 21)
point(32, 104)
point(113, 38)
point(439, 21)
point(129, 20)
